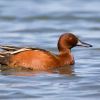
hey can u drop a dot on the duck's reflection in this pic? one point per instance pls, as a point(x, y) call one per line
point(65, 70)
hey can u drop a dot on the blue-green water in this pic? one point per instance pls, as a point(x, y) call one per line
point(39, 23)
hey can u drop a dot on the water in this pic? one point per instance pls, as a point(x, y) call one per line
point(39, 23)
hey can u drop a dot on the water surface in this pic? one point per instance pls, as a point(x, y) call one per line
point(39, 23)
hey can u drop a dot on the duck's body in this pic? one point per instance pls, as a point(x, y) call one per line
point(39, 59)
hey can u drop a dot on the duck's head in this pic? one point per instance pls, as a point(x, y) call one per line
point(69, 40)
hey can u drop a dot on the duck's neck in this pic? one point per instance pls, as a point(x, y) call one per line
point(66, 57)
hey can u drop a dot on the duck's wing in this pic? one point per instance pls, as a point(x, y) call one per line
point(4, 55)
point(9, 48)
point(14, 50)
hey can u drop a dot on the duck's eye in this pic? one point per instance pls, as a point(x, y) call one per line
point(70, 38)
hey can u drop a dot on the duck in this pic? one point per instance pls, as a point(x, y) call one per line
point(40, 59)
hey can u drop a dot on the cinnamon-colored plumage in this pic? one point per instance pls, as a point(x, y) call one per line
point(39, 59)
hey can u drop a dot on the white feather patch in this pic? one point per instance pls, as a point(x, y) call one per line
point(20, 50)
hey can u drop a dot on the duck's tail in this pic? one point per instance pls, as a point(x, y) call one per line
point(6, 52)
point(4, 58)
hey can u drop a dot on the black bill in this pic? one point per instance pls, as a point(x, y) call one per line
point(83, 44)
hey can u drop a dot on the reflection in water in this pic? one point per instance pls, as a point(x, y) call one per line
point(65, 70)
